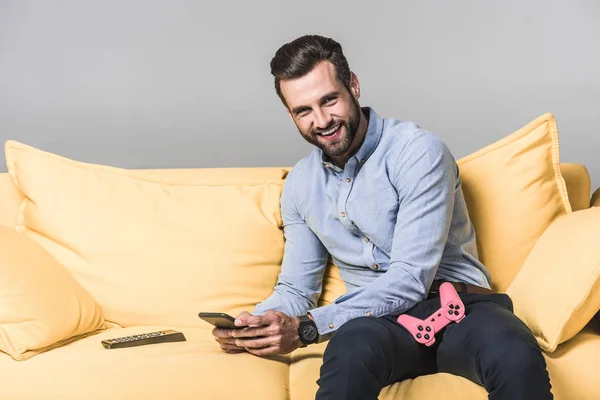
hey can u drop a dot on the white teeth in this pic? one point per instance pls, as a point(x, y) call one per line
point(330, 132)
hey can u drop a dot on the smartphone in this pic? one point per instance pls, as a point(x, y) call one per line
point(220, 320)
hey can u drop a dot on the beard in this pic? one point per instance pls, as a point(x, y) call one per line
point(341, 145)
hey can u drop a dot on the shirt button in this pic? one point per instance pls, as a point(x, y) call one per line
point(367, 240)
point(330, 326)
point(325, 165)
point(376, 267)
point(343, 214)
point(368, 314)
point(348, 180)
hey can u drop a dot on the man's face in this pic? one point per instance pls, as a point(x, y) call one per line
point(325, 112)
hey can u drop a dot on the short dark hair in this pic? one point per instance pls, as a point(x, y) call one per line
point(297, 58)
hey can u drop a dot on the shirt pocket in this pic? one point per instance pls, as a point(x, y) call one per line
point(375, 216)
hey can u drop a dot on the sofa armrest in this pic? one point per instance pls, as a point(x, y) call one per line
point(557, 291)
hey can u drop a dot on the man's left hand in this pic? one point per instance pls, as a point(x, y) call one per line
point(268, 334)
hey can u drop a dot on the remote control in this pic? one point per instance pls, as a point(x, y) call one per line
point(452, 310)
point(143, 339)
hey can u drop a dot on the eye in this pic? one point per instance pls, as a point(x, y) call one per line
point(301, 112)
point(329, 100)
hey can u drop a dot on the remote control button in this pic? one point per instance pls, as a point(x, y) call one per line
point(419, 335)
point(426, 336)
point(428, 329)
point(420, 327)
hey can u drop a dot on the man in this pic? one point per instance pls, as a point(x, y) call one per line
point(383, 198)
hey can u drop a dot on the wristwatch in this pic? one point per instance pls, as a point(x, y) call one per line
point(307, 330)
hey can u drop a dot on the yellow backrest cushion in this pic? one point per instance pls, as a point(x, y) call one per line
point(154, 252)
point(557, 292)
point(41, 305)
point(514, 190)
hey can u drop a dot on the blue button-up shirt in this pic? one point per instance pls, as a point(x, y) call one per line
point(393, 220)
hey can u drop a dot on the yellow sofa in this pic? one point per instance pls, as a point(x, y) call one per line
point(80, 214)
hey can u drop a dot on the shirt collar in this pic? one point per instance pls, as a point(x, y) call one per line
point(372, 137)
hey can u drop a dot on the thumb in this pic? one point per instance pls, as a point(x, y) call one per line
point(243, 318)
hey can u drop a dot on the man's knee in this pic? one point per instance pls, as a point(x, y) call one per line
point(357, 336)
point(514, 355)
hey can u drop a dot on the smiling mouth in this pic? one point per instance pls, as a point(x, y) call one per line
point(331, 133)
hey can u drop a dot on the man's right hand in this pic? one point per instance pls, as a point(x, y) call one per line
point(226, 341)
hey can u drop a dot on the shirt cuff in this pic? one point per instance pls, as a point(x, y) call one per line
point(329, 318)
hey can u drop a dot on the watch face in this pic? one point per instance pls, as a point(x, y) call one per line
point(309, 332)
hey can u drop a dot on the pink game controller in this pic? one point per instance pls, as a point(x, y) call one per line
point(452, 310)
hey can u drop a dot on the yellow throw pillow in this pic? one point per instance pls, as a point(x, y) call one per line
point(42, 306)
point(557, 292)
point(514, 190)
point(154, 253)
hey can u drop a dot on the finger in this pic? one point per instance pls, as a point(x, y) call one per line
point(235, 351)
point(228, 341)
point(263, 320)
point(222, 333)
point(232, 348)
point(257, 343)
point(251, 332)
point(267, 351)
point(242, 319)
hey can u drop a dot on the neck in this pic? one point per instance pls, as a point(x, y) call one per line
point(341, 160)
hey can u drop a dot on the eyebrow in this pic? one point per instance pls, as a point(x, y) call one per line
point(335, 93)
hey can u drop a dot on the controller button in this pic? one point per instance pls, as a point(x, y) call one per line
point(427, 337)
point(418, 335)
point(428, 329)
point(457, 307)
point(450, 312)
point(452, 306)
point(440, 314)
point(455, 312)
point(420, 327)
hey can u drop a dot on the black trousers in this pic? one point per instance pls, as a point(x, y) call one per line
point(490, 346)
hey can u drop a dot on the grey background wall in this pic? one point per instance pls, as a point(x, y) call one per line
point(154, 84)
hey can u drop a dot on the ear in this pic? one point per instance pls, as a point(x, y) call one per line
point(354, 86)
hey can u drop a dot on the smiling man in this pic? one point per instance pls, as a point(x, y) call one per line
point(382, 197)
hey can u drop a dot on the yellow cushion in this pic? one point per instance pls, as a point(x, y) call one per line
point(573, 367)
point(11, 198)
point(42, 306)
point(195, 369)
point(333, 285)
point(595, 200)
point(514, 190)
point(557, 291)
point(150, 252)
point(578, 183)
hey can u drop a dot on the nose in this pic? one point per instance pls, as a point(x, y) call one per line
point(322, 119)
